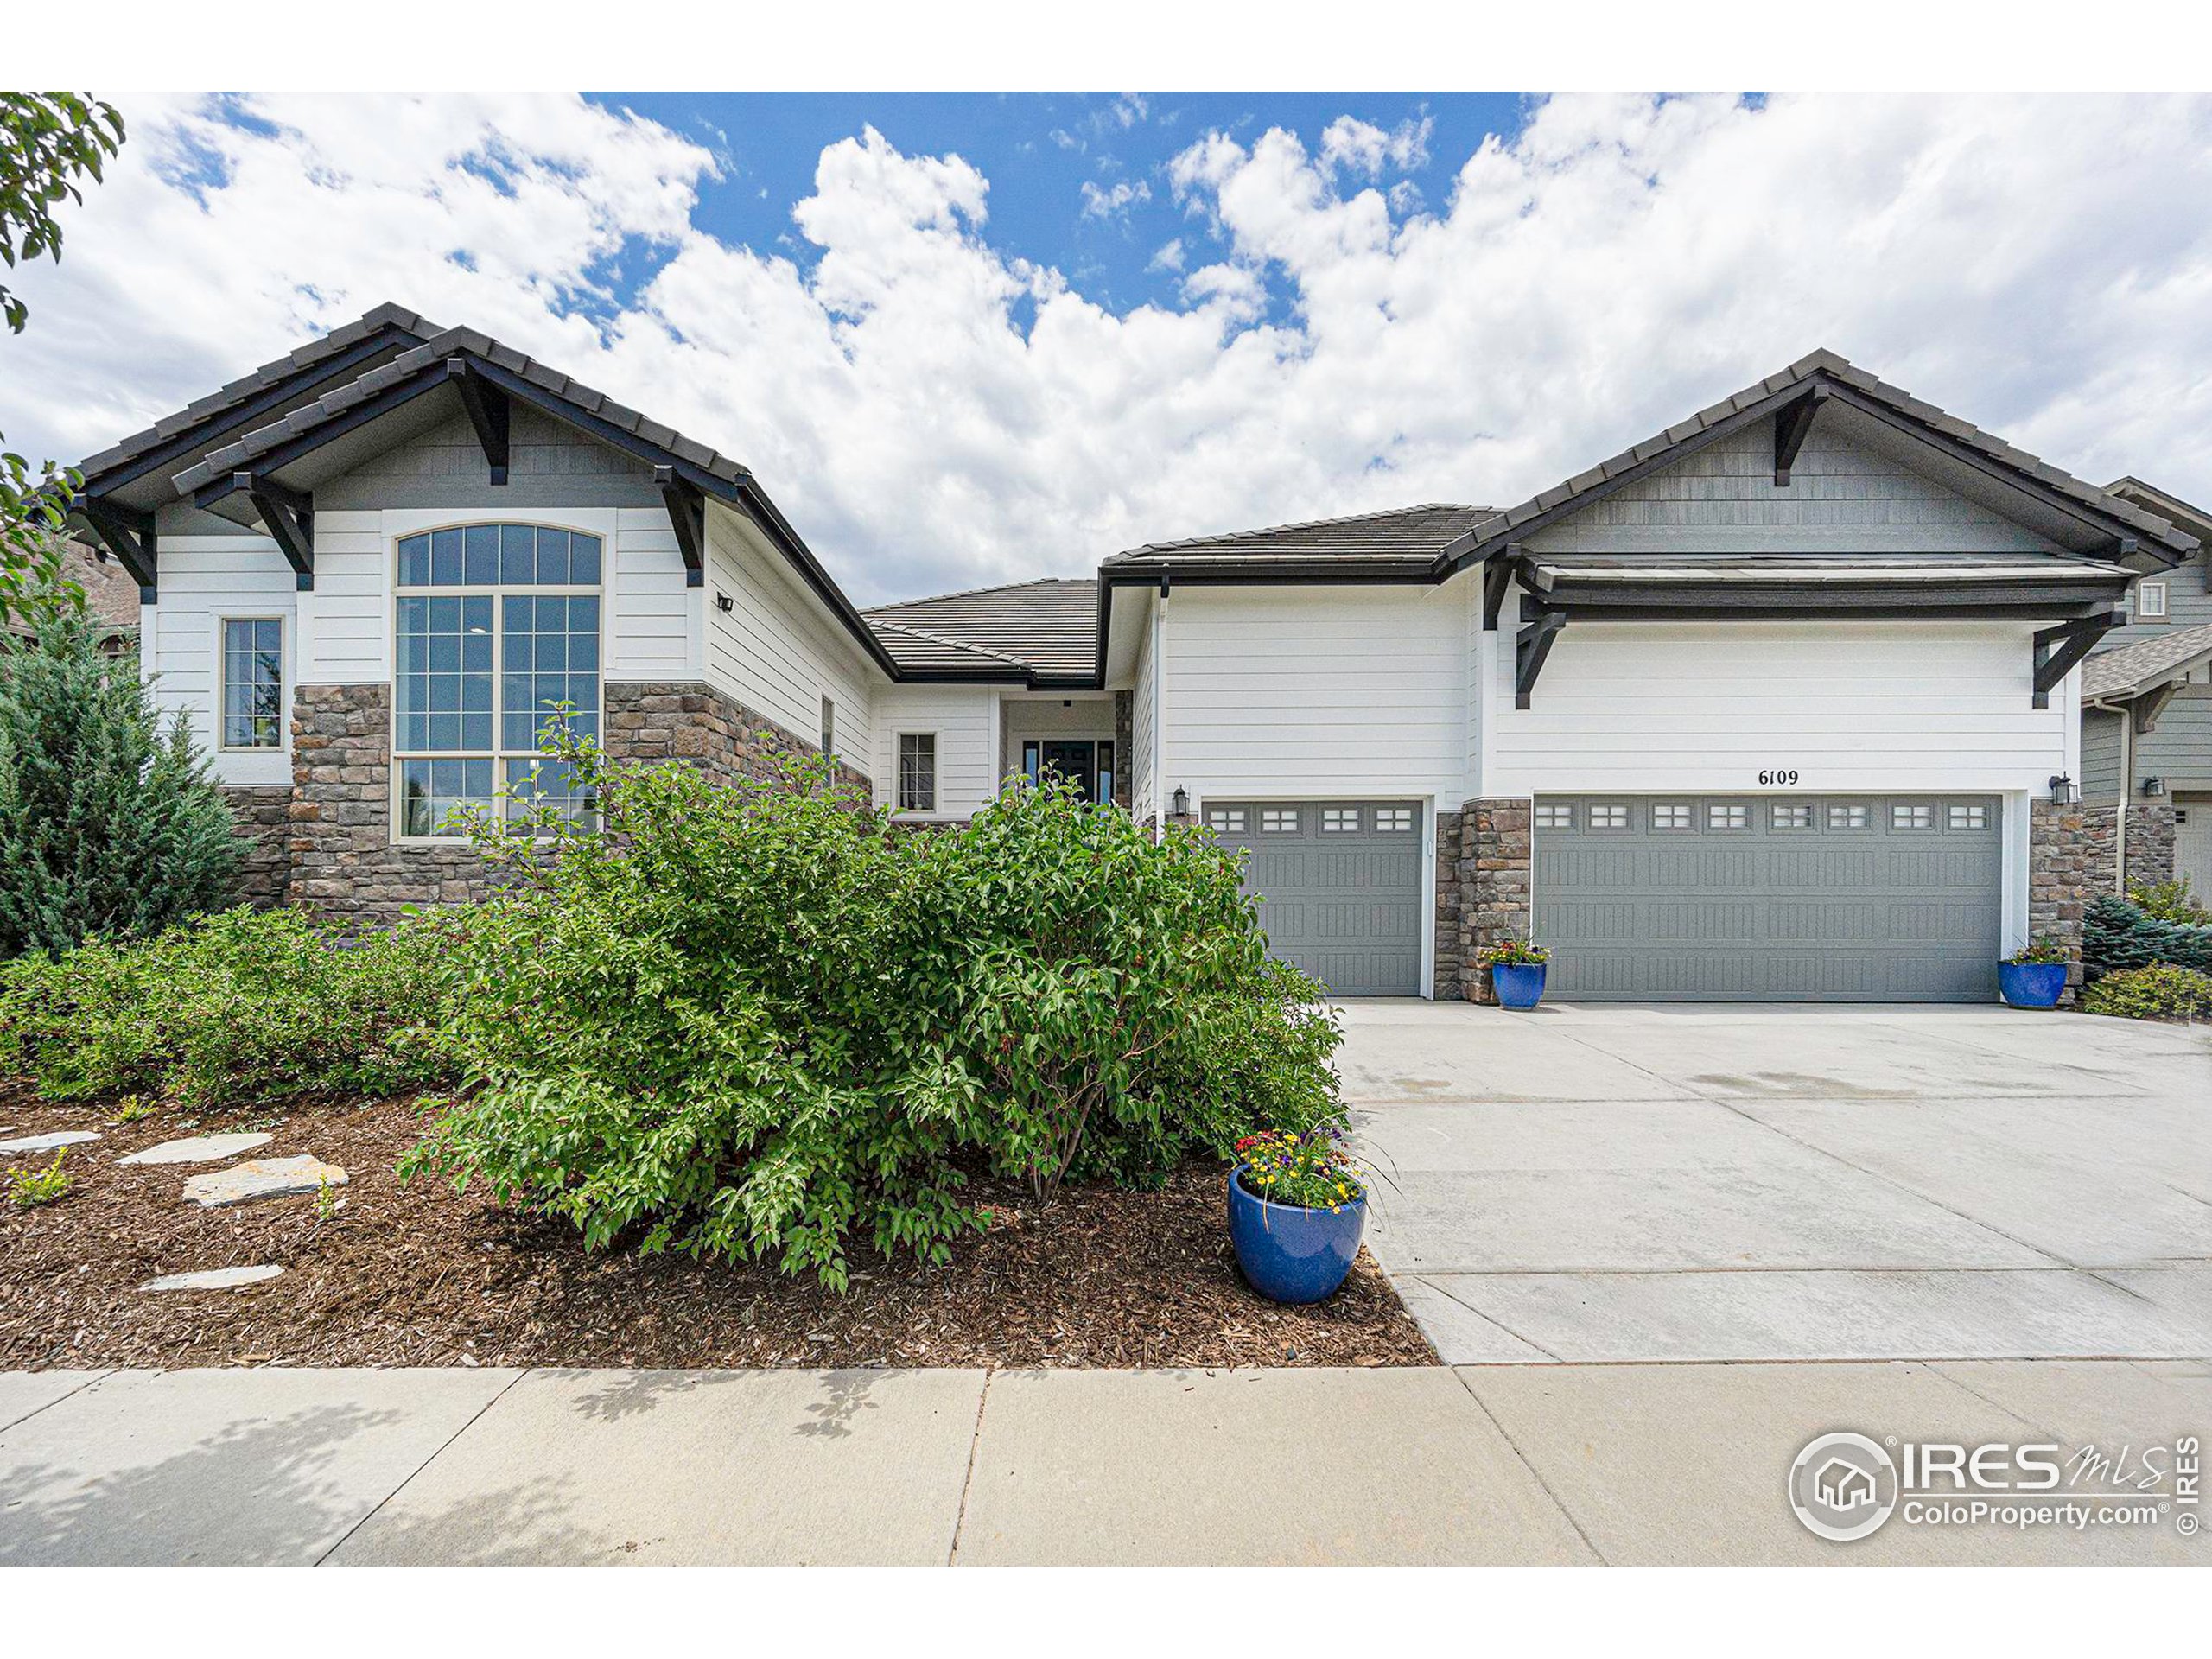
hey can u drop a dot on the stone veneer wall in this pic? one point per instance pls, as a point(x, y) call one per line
point(1493, 876)
point(690, 720)
point(263, 814)
point(2060, 884)
point(1450, 953)
point(2149, 843)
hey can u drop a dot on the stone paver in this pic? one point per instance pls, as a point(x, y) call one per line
point(266, 1177)
point(700, 1467)
point(1250, 1467)
point(1801, 1183)
point(239, 1467)
point(49, 1142)
point(214, 1279)
point(198, 1149)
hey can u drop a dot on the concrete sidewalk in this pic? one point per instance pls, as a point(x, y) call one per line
point(1479, 1465)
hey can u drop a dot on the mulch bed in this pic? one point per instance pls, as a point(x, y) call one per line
point(420, 1275)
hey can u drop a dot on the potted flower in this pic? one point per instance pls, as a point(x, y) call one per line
point(1517, 971)
point(2034, 977)
point(1297, 1207)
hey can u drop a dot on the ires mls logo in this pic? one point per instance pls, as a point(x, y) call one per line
point(1843, 1486)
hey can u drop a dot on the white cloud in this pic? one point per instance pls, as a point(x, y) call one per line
point(1115, 199)
point(934, 413)
point(1131, 108)
point(1349, 142)
point(1167, 257)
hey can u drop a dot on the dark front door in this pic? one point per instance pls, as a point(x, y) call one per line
point(1082, 761)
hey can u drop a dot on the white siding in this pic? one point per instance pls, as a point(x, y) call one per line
point(775, 650)
point(1708, 706)
point(652, 610)
point(1315, 690)
point(1144, 795)
point(348, 617)
point(960, 717)
point(204, 579)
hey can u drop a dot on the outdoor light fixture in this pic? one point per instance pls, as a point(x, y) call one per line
point(2154, 787)
point(724, 602)
point(1180, 805)
point(2062, 791)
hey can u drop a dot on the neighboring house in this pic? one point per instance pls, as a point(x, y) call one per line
point(110, 598)
point(1781, 703)
point(2146, 716)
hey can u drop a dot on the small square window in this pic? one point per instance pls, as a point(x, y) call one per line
point(1337, 819)
point(1670, 815)
point(1846, 817)
point(1226, 820)
point(1794, 814)
point(1554, 818)
point(1969, 817)
point(1917, 815)
point(1394, 817)
point(2150, 601)
point(1728, 816)
point(1277, 820)
point(1609, 816)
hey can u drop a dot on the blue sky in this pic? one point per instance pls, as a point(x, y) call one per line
point(1039, 151)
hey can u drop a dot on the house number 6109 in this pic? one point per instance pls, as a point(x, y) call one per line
point(1778, 777)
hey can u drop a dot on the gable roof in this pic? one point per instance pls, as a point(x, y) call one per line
point(2196, 520)
point(1039, 632)
point(1400, 543)
point(1825, 373)
point(2126, 671)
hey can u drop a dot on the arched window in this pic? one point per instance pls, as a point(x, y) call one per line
point(496, 626)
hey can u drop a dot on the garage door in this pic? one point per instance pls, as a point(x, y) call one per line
point(1341, 882)
point(1856, 898)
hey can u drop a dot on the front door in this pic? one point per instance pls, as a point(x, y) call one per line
point(1082, 761)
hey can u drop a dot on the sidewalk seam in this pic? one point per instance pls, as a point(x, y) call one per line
point(968, 1480)
point(438, 1452)
point(1536, 1474)
point(97, 1376)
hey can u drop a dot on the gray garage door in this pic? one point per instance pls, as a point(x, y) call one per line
point(1341, 882)
point(1844, 898)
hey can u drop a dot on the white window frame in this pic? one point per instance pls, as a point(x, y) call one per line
point(1552, 815)
point(1687, 825)
point(899, 770)
point(2144, 590)
point(283, 743)
point(1412, 816)
point(828, 727)
point(396, 532)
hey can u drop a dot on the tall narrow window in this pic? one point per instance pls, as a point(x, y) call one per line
point(253, 683)
point(498, 632)
point(828, 728)
point(917, 771)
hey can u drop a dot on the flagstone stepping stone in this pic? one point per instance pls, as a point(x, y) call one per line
point(214, 1279)
point(48, 1142)
point(264, 1177)
point(198, 1149)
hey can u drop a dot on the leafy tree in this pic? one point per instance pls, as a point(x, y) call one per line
point(47, 141)
point(107, 826)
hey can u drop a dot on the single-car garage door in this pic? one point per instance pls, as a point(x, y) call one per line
point(1341, 882)
point(1846, 899)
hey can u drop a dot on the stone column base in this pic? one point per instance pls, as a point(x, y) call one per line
point(1496, 850)
point(2149, 844)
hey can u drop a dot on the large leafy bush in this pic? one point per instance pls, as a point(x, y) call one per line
point(107, 825)
point(241, 1006)
point(2169, 901)
point(2161, 993)
point(754, 1021)
point(2116, 934)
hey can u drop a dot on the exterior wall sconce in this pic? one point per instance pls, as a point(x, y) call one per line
point(2153, 787)
point(724, 602)
point(2062, 792)
point(1179, 804)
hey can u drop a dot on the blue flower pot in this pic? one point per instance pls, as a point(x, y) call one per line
point(2031, 984)
point(1518, 985)
point(1289, 1253)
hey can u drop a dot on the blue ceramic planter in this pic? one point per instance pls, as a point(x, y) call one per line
point(1518, 985)
point(1289, 1253)
point(2031, 984)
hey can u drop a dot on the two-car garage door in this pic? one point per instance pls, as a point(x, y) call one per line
point(1698, 898)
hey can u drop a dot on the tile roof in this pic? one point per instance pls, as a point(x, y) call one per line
point(2128, 671)
point(1048, 628)
point(1840, 371)
point(1398, 534)
point(395, 318)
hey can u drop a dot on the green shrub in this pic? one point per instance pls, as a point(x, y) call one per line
point(30, 1188)
point(2169, 901)
point(106, 826)
point(2116, 934)
point(2158, 993)
point(240, 1006)
point(2042, 951)
point(750, 1022)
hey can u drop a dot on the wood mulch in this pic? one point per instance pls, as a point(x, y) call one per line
point(417, 1275)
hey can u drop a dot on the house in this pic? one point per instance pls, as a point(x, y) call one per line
point(111, 600)
point(1843, 1485)
point(1781, 703)
point(2146, 716)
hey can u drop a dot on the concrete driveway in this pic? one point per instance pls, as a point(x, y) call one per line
point(1743, 1183)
